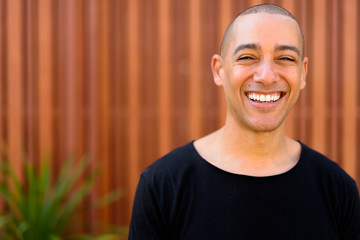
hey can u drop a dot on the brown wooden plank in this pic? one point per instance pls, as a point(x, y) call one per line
point(164, 69)
point(119, 95)
point(180, 77)
point(59, 86)
point(149, 84)
point(70, 69)
point(2, 71)
point(256, 2)
point(195, 91)
point(304, 96)
point(31, 125)
point(80, 89)
point(104, 110)
point(15, 83)
point(319, 86)
point(335, 33)
point(45, 76)
point(80, 79)
point(92, 67)
point(2, 81)
point(133, 97)
point(349, 80)
point(119, 68)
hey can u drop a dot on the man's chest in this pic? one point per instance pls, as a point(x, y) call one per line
point(211, 210)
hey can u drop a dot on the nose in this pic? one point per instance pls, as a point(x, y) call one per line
point(266, 72)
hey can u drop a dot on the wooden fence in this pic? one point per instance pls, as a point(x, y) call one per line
point(125, 81)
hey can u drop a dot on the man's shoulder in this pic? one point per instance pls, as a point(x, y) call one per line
point(175, 162)
point(323, 166)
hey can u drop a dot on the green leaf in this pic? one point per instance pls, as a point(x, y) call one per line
point(38, 208)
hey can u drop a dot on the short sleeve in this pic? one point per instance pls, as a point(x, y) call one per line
point(147, 221)
point(349, 220)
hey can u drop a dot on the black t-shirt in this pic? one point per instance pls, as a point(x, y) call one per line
point(182, 196)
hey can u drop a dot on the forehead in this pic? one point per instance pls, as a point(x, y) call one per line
point(265, 29)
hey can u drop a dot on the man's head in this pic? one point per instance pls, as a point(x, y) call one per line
point(263, 8)
point(261, 67)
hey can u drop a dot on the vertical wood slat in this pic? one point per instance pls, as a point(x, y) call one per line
point(149, 84)
point(334, 151)
point(60, 151)
point(92, 17)
point(319, 86)
point(303, 113)
point(349, 80)
point(80, 79)
point(134, 104)
point(164, 69)
point(104, 103)
point(118, 71)
point(45, 74)
point(195, 95)
point(257, 2)
point(79, 151)
point(15, 71)
point(70, 69)
point(3, 60)
point(31, 83)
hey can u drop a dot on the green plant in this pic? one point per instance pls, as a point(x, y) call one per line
point(41, 207)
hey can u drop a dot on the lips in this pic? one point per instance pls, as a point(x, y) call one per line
point(264, 98)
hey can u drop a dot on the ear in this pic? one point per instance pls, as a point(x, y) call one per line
point(304, 70)
point(217, 69)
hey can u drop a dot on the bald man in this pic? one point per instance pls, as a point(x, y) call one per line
point(248, 180)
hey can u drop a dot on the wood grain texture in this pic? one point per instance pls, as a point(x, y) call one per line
point(318, 85)
point(45, 74)
point(15, 83)
point(127, 81)
point(164, 73)
point(349, 89)
point(134, 112)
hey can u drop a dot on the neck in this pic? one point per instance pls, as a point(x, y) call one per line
point(243, 151)
point(260, 147)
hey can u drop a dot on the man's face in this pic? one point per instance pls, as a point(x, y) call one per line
point(261, 70)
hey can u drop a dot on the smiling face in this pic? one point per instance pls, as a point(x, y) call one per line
point(262, 70)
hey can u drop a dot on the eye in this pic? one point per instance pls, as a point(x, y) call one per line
point(247, 57)
point(287, 60)
point(290, 59)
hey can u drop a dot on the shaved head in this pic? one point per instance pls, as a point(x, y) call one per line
point(263, 8)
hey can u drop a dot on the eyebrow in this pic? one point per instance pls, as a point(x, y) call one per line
point(287, 47)
point(246, 46)
point(257, 47)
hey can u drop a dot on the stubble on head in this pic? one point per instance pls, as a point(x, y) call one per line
point(263, 8)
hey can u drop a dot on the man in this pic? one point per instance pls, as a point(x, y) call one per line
point(248, 180)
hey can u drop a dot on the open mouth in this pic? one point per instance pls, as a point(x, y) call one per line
point(264, 98)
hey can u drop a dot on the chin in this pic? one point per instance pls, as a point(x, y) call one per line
point(264, 129)
point(265, 125)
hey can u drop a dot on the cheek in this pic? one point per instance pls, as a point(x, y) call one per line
point(294, 78)
point(238, 77)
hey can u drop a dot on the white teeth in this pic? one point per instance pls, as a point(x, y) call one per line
point(264, 98)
